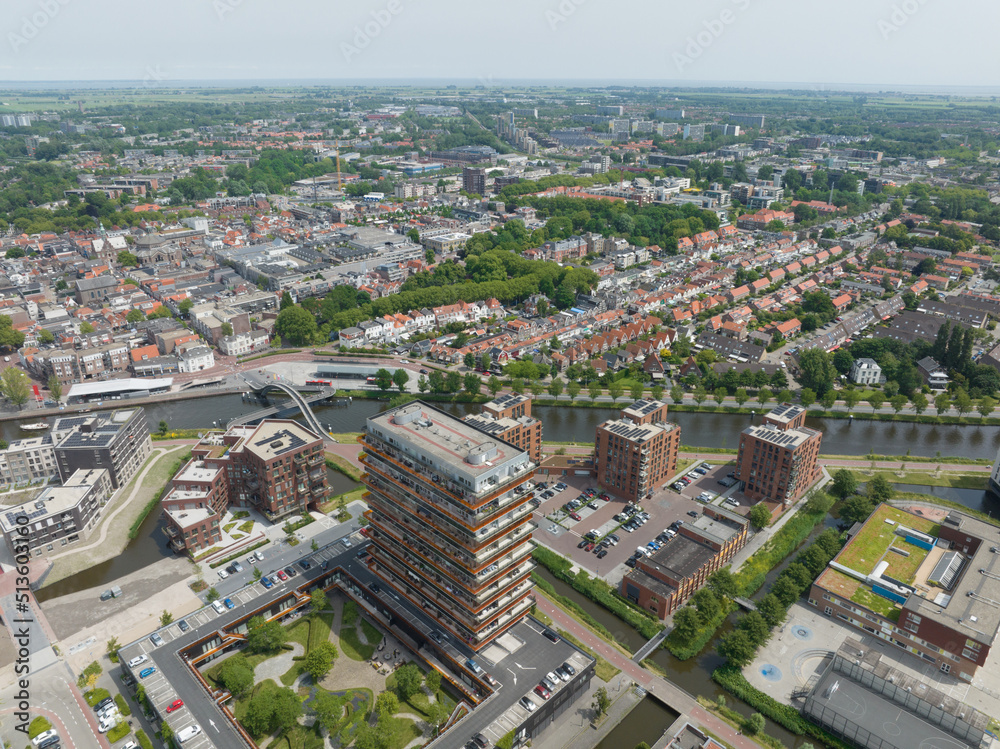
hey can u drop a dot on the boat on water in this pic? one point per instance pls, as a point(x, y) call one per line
point(36, 426)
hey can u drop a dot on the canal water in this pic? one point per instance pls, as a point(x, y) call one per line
point(646, 722)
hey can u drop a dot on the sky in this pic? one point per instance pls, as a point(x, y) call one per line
point(871, 43)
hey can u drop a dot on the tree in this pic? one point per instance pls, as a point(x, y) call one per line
point(595, 390)
point(879, 489)
point(828, 399)
point(86, 328)
point(494, 385)
point(573, 389)
point(759, 515)
point(844, 483)
point(329, 709)
point(875, 400)
point(55, 388)
point(226, 329)
point(723, 583)
point(763, 396)
point(286, 301)
point(112, 649)
point(843, 361)
point(942, 402)
point(536, 387)
point(856, 509)
point(319, 660)
point(264, 636)
point(687, 622)
point(985, 406)
point(601, 702)
point(286, 709)
point(166, 618)
point(555, 387)
point(433, 681)
point(422, 384)
point(318, 600)
point(719, 395)
point(963, 403)
point(677, 394)
point(408, 680)
point(14, 386)
point(46, 337)
point(383, 379)
point(700, 395)
point(851, 399)
point(756, 627)
point(386, 705)
point(707, 603)
point(616, 390)
point(920, 403)
point(898, 402)
point(236, 675)
point(257, 574)
point(737, 647)
point(400, 377)
point(472, 383)
point(296, 325)
point(754, 724)
point(185, 306)
point(517, 385)
point(807, 396)
point(469, 360)
point(212, 594)
point(485, 362)
point(127, 259)
point(135, 315)
point(816, 370)
point(771, 609)
point(636, 390)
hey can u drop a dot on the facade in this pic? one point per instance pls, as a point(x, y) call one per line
point(474, 180)
point(637, 453)
point(27, 461)
point(776, 460)
point(508, 417)
point(276, 467)
point(450, 519)
point(195, 359)
point(865, 372)
point(926, 587)
point(662, 582)
point(117, 441)
point(59, 516)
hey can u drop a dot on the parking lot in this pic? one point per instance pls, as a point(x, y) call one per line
point(711, 483)
point(562, 533)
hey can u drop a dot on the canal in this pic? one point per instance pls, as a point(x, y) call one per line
point(646, 722)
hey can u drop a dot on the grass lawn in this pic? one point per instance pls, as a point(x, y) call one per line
point(245, 527)
point(837, 582)
point(350, 641)
point(902, 567)
point(330, 505)
point(401, 731)
point(867, 548)
point(307, 632)
point(345, 437)
point(876, 603)
point(421, 703)
point(228, 527)
point(924, 478)
point(338, 463)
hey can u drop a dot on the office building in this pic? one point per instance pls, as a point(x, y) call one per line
point(928, 587)
point(663, 581)
point(59, 516)
point(474, 180)
point(277, 467)
point(776, 460)
point(508, 417)
point(450, 519)
point(117, 440)
point(637, 453)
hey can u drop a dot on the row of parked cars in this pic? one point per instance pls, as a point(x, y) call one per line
point(657, 543)
point(590, 543)
point(549, 683)
point(683, 481)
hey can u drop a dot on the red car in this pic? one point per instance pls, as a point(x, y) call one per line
point(588, 547)
point(542, 691)
point(364, 531)
point(605, 497)
point(282, 575)
point(574, 516)
point(175, 705)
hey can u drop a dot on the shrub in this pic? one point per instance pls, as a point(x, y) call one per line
point(39, 725)
point(123, 707)
point(143, 739)
point(119, 732)
point(96, 695)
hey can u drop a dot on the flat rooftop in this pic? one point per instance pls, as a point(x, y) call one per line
point(719, 531)
point(54, 500)
point(187, 518)
point(196, 470)
point(642, 408)
point(880, 722)
point(680, 557)
point(878, 534)
point(789, 438)
point(636, 432)
point(456, 444)
point(784, 413)
point(276, 437)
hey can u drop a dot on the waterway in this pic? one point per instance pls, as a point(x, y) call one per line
point(567, 424)
point(646, 722)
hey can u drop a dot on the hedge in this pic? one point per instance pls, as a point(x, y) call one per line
point(119, 732)
point(96, 695)
point(39, 725)
point(143, 739)
point(599, 592)
point(123, 707)
point(732, 680)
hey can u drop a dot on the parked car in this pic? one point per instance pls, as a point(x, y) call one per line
point(550, 635)
point(156, 639)
point(229, 603)
point(266, 582)
point(223, 574)
point(282, 576)
point(147, 672)
point(290, 571)
point(527, 704)
point(542, 691)
point(139, 659)
point(175, 705)
point(575, 516)
point(602, 553)
point(583, 542)
point(692, 513)
point(237, 566)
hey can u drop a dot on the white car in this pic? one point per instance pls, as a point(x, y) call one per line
point(251, 559)
point(223, 574)
point(137, 660)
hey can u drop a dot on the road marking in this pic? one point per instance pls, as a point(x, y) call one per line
point(212, 724)
point(524, 668)
point(514, 675)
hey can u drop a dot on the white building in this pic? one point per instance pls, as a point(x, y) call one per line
point(242, 344)
point(195, 359)
point(27, 461)
point(865, 372)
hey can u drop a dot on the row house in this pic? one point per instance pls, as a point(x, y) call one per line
point(841, 302)
point(759, 285)
point(740, 292)
point(788, 328)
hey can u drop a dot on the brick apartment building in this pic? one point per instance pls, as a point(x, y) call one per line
point(776, 460)
point(450, 519)
point(508, 417)
point(276, 467)
point(662, 582)
point(637, 453)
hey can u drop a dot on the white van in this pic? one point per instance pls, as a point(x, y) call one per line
point(44, 736)
point(219, 608)
point(188, 733)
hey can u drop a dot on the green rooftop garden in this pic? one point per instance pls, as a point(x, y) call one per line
point(876, 536)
